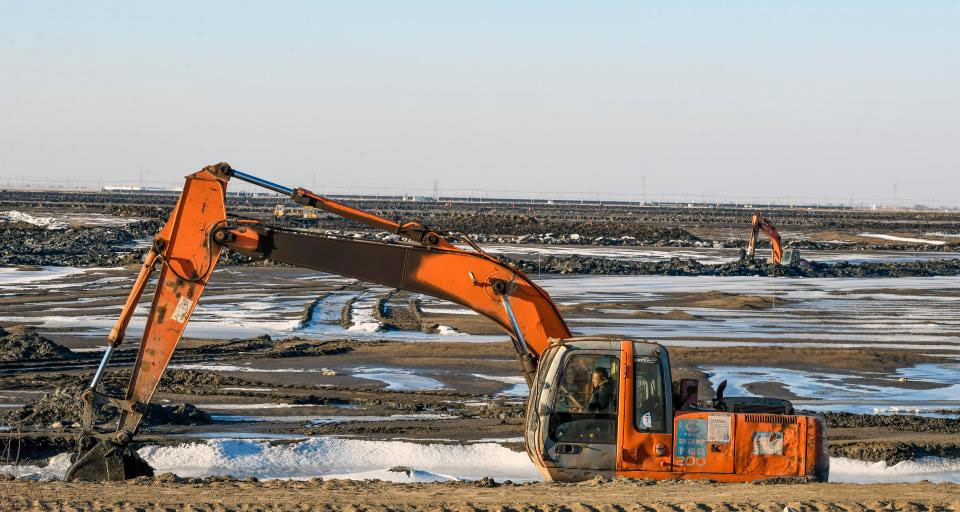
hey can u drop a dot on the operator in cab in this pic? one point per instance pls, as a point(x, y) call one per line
point(601, 396)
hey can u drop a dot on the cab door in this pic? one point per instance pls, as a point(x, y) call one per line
point(582, 422)
point(644, 440)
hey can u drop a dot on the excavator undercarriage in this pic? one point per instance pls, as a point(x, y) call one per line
point(633, 433)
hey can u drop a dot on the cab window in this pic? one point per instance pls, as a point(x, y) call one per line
point(585, 408)
point(649, 406)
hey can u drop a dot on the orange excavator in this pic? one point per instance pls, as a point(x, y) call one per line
point(598, 405)
point(776, 248)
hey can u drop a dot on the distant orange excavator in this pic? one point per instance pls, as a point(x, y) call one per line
point(598, 406)
point(776, 248)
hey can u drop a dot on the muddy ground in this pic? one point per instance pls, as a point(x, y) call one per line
point(470, 410)
point(504, 222)
point(306, 377)
point(505, 216)
point(618, 495)
point(691, 267)
point(116, 246)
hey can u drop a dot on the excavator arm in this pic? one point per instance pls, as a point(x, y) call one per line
point(187, 250)
point(757, 223)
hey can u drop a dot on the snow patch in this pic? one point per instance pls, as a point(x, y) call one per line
point(518, 385)
point(56, 467)
point(833, 386)
point(231, 407)
point(446, 330)
point(43, 222)
point(902, 239)
point(234, 368)
point(398, 380)
point(341, 458)
point(934, 469)
point(14, 275)
point(362, 315)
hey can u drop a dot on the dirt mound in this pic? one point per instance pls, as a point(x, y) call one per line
point(893, 452)
point(130, 210)
point(675, 314)
point(27, 448)
point(264, 347)
point(174, 380)
point(575, 264)
point(63, 409)
point(187, 382)
point(58, 409)
point(867, 359)
point(723, 300)
point(180, 414)
point(23, 343)
point(900, 422)
point(105, 247)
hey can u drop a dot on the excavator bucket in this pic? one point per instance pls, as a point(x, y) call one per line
point(108, 461)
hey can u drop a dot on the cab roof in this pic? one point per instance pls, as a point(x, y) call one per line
point(642, 347)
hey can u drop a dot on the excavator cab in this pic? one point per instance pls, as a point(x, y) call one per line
point(574, 433)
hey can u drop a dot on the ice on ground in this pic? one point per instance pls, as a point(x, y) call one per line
point(235, 368)
point(56, 467)
point(929, 410)
point(498, 440)
point(823, 385)
point(448, 311)
point(43, 222)
point(261, 436)
point(397, 379)
point(446, 330)
point(323, 420)
point(341, 458)
point(902, 239)
point(231, 407)
point(518, 385)
point(325, 313)
point(401, 461)
point(15, 276)
point(933, 469)
point(362, 314)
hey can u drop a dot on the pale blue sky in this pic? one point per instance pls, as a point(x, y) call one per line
point(731, 99)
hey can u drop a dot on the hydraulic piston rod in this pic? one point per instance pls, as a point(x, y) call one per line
point(410, 230)
point(249, 178)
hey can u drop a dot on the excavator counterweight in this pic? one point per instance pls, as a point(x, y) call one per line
point(598, 406)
